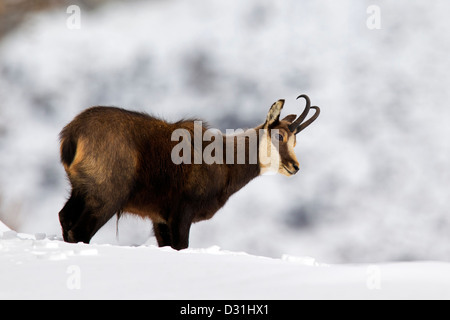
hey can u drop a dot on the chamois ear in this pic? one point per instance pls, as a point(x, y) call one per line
point(273, 117)
point(290, 118)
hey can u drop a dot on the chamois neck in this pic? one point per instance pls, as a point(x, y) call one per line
point(241, 158)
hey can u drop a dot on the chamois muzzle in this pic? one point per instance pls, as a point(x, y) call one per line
point(298, 125)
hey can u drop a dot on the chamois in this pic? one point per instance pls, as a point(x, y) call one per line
point(122, 161)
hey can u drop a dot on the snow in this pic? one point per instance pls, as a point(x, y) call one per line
point(3, 227)
point(41, 267)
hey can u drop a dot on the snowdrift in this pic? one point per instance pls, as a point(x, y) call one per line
point(40, 267)
point(3, 227)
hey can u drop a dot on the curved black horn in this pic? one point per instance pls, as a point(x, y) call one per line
point(294, 125)
point(310, 120)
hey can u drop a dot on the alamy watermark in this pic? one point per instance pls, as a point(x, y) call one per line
point(73, 21)
point(373, 21)
point(235, 147)
point(373, 280)
point(73, 281)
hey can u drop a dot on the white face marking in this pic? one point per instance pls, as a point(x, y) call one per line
point(290, 145)
point(269, 157)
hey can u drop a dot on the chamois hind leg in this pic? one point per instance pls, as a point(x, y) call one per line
point(94, 216)
point(162, 234)
point(71, 212)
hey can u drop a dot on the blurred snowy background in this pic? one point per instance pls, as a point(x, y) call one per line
point(375, 178)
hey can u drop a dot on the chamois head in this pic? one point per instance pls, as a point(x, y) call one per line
point(278, 155)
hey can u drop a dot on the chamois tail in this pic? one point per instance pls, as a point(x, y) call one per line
point(68, 148)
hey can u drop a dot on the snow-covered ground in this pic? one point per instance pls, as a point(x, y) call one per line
point(37, 267)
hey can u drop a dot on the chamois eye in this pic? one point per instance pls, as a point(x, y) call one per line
point(280, 137)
